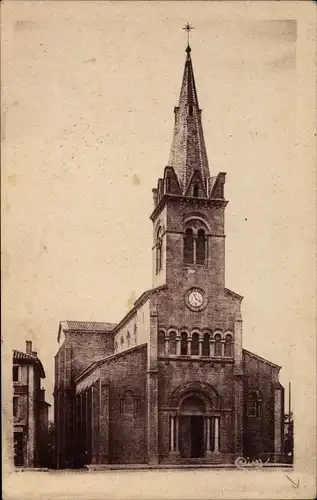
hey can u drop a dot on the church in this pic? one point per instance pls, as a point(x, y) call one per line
point(171, 383)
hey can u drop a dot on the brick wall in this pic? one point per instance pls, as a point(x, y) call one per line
point(127, 433)
point(259, 432)
point(78, 351)
point(220, 312)
point(87, 348)
point(172, 218)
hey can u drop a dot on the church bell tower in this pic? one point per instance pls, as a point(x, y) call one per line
point(189, 203)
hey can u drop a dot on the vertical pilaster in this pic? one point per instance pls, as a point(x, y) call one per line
point(238, 387)
point(152, 388)
point(222, 348)
point(278, 414)
point(92, 428)
point(178, 345)
point(216, 445)
point(207, 435)
point(200, 346)
point(152, 416)
point(81, 427)
point(172, 433)
point(87, 429)
point(174, 437)
point(177, 433)
point(166, 345)
point(238, 353)
point(31, 419)
point(189, 345)
point(212, 347)
point(104, 402)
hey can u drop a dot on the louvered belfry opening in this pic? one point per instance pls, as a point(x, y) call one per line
point(189, 246)
point(201, 247)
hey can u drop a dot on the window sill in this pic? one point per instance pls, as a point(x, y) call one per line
point(190, 266)
point(187, 357)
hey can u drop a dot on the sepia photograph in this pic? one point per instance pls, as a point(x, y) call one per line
point(158, 249)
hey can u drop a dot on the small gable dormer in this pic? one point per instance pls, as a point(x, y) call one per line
point(171, 184)
point(160, 189)
point(196, 188)
point(217, 186)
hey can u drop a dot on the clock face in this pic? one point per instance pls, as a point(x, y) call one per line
point(196, 300)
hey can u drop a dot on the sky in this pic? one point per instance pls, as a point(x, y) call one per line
point(87, 118)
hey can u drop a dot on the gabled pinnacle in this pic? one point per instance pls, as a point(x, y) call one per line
point(188, 152)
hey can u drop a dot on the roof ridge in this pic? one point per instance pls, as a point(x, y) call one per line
point(260, 358)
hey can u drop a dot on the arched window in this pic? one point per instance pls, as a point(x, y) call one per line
point(135, 334)
point(201, 247)
point(128, 339)
point(184, 344)
point(116, 345)
point(195, 191)
point(159, 250)
point(172, 343)
point(168, 184)
point(122, 341)
point(128, 403)
point(254, 404)
point(228, 345)
point(189, 246)
point(194, 347)
point(205, 346)
point(161, 343)
point(217, 345)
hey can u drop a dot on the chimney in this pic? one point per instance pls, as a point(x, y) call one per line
point(28, 347)
point(34, 353)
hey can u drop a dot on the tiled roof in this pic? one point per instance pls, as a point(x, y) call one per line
point(85, 326)
point(233, 294)
point(19, 355)
point(90, 326)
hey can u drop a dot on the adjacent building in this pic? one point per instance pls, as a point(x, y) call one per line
point(171, 383)
point(30, 410)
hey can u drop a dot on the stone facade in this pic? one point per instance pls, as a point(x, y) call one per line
point(171, 383)
point(30, 410)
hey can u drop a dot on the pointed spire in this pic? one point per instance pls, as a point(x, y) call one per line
point(188, 152)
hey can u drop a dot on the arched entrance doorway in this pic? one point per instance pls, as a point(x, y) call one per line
point(194, 422)
point(191, 428)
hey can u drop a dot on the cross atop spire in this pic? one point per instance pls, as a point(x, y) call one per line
point(188, 29)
